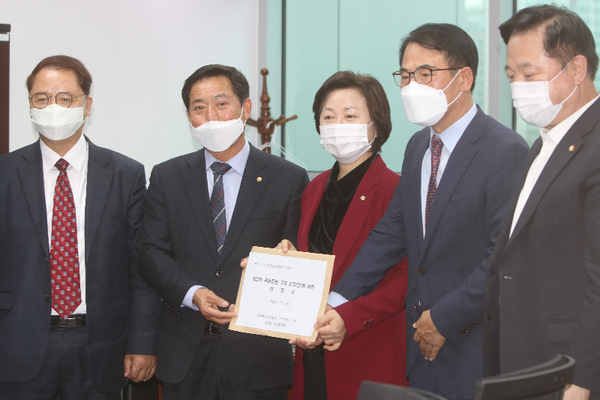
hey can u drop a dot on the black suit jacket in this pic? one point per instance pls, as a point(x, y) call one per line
point(447, 267)
point(122, 311)
point(544, 282)
point(178, 250)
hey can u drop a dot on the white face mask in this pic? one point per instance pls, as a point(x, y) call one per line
point(425, 105)
point(533, 103)
point(346, 142)
point(218, 136)
point(56, 122)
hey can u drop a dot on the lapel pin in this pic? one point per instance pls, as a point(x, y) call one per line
point(259, 179)
point(363, 198)
point(572, 147)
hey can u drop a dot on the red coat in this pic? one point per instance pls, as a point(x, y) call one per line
point(375, 345)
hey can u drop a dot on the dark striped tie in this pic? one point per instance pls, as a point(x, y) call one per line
point(217, 204)
point(436, 152)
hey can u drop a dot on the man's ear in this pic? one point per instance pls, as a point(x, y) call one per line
point(247, 104)
point(578, 68)
point(467, 79)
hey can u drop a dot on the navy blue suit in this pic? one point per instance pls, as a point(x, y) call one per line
point(447, 267)
point(122, 311)
point(178, 250)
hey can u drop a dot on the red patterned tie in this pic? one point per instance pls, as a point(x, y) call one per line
point(436, 152)
point(66, 290)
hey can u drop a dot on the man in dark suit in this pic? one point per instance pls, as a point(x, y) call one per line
point(192, 242)
point(544, 276)
point(457, 177)
point(76, 318)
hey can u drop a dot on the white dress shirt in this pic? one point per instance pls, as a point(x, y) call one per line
point(77, 158)
point(550, 139)
point(232, 181)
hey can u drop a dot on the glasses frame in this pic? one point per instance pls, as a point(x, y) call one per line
point(399, 73)
point(48, 101)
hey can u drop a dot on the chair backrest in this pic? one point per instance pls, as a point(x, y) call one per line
point(383, 391)
point(543, 381)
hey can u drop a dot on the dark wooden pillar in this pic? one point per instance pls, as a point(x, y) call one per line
point(4, 79)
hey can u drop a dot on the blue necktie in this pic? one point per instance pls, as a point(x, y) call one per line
point(217, 203)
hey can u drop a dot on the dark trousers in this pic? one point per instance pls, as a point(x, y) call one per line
point(210, 379)
point(65, 373)
point(315, 381)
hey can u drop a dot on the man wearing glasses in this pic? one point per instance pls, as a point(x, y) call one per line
point(76, 319)
point(457, 177)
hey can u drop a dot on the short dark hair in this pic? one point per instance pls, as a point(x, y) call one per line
point(566, 33)
point(236, 78)
point(456, 44)
point(65, 63)
point(377, 102)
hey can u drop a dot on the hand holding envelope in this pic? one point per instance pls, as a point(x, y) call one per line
point(282, 294)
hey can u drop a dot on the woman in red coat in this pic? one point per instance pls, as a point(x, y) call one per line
point(339, 208)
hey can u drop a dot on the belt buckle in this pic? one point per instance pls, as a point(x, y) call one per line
point(212, 329)
point(74, 321)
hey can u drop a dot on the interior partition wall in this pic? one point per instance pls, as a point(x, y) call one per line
point(309, 40)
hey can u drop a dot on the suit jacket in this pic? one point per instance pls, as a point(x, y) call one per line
point(546, 277)
point(375, 318)
point(447, 267)
point(122, 311)
point(178, 250)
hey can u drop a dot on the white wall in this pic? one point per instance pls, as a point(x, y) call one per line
point(139, 54)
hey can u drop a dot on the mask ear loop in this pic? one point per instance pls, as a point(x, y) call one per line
point(371, 142)
point(242, 114)
point(461, 92)
point(83, 116)
point(574, 89)
point(561, 71)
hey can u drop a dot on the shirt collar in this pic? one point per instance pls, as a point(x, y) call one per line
point(237, 162)
point(453, 133)
point(75, 156)
point(559, 131)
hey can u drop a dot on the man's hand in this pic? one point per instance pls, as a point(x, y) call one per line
point(208, 303)
point(575, 392)
point(138, 367)
point(332, 329)
point(427, 336)
point(286, 246)
point(305, 344)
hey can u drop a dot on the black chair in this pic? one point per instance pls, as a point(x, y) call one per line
point(544, 381)
point(383, 391)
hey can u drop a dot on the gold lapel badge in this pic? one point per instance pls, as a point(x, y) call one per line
point(259, 179)
point(572, 147)
point(363, 198)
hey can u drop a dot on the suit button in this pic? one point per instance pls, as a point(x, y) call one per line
point(488, 317)
point(492, 272)
point(47, 297)
point(47, 259)
point(422, 271)
point(219, 273)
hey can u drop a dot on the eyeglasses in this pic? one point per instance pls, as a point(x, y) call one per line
point(63, 99)
point(420, 75)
